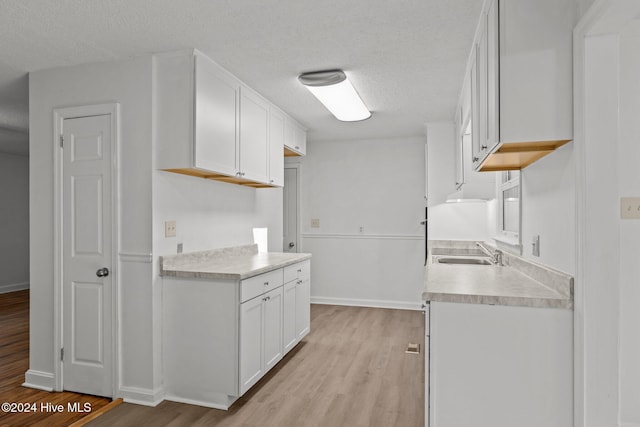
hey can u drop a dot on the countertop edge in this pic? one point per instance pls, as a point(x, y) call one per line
point(233, 276)
point(498, 300)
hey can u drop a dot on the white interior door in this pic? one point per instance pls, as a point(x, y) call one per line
point(86, 283)
point(290, 210)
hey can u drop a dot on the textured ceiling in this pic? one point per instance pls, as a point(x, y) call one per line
point(405, 57)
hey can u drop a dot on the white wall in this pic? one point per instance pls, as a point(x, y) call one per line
point(128, 83)
point(629, 231)
point(548, 209)
point(466, 220)
point(14, 222)
point(211, 214)
point(377, 185)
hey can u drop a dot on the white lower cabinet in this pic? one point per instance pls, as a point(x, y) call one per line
point(499, 366)
point(303, 321)
point(221, 336)
point(260, 336)
point(289, 325)
point(296, 302)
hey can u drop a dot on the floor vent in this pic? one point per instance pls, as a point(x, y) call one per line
point(413, 348)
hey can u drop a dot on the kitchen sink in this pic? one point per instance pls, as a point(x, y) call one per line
point(463, 260)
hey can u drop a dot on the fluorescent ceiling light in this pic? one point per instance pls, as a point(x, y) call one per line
point(337, 94)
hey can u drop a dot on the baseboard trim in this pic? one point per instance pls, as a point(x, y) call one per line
point(199, 402)
point(13, 287)
point(39, 380)
point(142, 396)
point(398, 305)
point(629, 425)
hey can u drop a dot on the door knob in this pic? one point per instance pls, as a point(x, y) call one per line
point(102, 272)
point(291, 244)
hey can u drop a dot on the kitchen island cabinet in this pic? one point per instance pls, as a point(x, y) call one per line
point(224, 320)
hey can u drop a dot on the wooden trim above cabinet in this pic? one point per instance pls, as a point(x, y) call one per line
point(518, 155)
point(219, 177)
point(291, 153)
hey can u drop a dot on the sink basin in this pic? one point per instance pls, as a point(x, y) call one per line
point(471, 261)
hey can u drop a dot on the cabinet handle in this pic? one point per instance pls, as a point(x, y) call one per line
point(297, 148)
point(266, 283)
point(484, 147)
point(300, 271)
point(238, 173)
point(299, 282)
point(475, 159)
point(265, 299)
point(271, 181)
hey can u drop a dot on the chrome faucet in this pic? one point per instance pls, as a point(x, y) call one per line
point(496, 256)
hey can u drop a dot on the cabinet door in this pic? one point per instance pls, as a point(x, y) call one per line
point(295, 138)
point(303, 305)
point(493, 82)
point(276, 148)
point(251, 344)
point(254, 127)
point(483, 89)
point(272, 328)
point(289, 316)
point(459, 159)
point(300, 140)
point(216, 127)
point(475, 108)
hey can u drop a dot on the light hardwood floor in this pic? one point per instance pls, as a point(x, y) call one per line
point(14, 362)
point(352, 370)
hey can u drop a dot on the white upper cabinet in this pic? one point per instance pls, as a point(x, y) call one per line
point(216, 119)
point(295, 139)
point(211, 125)
point(254, 135)
point(276, 148)
point(521, 72)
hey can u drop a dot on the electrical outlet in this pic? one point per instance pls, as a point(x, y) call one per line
point(179, 248)
point(535, 246)
point(170, 228)
point(361, 229)
point(630, 207)
point(315, 223)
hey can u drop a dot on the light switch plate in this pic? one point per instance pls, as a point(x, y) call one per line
point(630, 207)
point(170, 228)
point(315, 223)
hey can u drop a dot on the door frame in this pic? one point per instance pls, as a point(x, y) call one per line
point(59, 115)
point(297, 167)
point(603, 17)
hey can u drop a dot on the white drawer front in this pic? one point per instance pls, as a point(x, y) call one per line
point(299, 271)
point(258, 285)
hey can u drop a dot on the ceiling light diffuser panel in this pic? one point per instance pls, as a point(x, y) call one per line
point(334, 90)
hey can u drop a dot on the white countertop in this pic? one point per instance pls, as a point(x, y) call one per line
point(499, 285)
point(483, 284)
point(228, 263)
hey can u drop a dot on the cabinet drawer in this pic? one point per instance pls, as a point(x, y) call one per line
point(299, 271)
point(257, 285)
